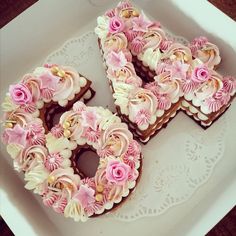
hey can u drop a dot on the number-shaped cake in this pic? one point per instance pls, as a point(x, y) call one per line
point(152, 77)
point(85, 165)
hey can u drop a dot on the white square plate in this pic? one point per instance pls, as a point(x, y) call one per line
point(43, 28)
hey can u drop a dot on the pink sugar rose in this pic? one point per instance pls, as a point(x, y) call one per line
point(116, 25)
point(117, 172)
point(200, 74)
point(20, 94)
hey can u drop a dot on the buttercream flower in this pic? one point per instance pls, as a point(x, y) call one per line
point(117, 172)
point(134, 148)
point(137, 44)
point(165, 44)
point(229, 83)
point(57, 131)
point(50, 198)
point(141, 23)
point(35, 178)
point(223, 95)
point(131, 159)
point(49, 84)
point(102, 26)
point(31, 157)
point(67, 86)
point(63, 180)
point(14, 150)
point(71, 122)
point(34, 85)
point(213, 104)
point(116, 25)
point(163, 102)
point(85, 196)
point(210, 87)
point(74, 210)
point(154, 38)
point(79, 107)
point(110, 13)
point(200, 73)
point(207, 52)
point(142, 117)
point(90, 118)
point(20, 94)
point(161, 67)
point(130, 34)
point(8, 105)
point(121, 74)
point(199, 41)
point(60, 205)
point(116, 60)
point(91, 135)
point(142, 99)
point(115, 42)
point(188, 85)
point(36, 134)
point(179, 69)
point(56, 144)
point(178, 52)
point(53, 161)
point(124, 5)
point(169, 85)
point(17, 135)
point(116, 138)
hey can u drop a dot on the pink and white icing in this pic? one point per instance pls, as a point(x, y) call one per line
point(206, 51)
point(49, 83)
point(181, 71)
point(47, 166)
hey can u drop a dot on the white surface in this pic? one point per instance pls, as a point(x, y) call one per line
point(28, 39)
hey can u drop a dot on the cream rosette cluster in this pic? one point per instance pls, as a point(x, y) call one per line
point(125, 34)
point(49, 83)
point(24, 133)
point(207, 89)
point(206, 51)
point(63, 189)
point(47, 166)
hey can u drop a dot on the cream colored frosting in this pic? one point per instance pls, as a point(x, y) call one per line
point(35, 178)
point(102, 26)
point(150, 57)
point(209, 54)
point(178, 51)
point(115, 42)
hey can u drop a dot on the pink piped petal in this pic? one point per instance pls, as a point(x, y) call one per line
point(91, 135)
point(60, 205)
point(213, 104)
point(47, 93)
point(229, 84)
point(165, 44)
point(137, 45)
point(38, 139)
point(143, 117)
point(53, 161)
point(29, 108)
point(49, 199)
point(163, 102)
point(57, 131)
